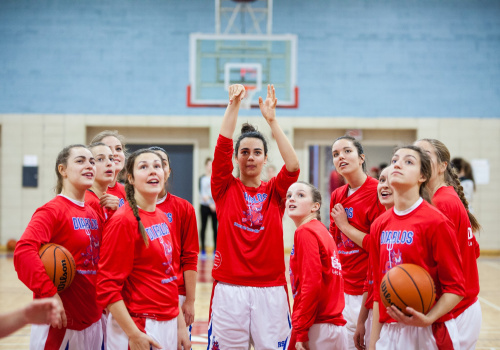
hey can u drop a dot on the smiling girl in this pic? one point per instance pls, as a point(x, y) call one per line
point(249, 299)
point(353, 208)
point(414, 232)
point(68, 221)
point(137, 281)
point(315, 275)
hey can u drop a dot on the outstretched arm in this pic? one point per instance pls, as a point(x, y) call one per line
point(268, 110)
point(236, 94)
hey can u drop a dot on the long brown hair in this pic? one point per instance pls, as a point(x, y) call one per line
point(62, 158)
point(451, 177)
point(357, 145)
point(130, 191)
point(425, 170)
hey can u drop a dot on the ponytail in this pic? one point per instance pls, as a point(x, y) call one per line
point(452, 179)
point(129, 190)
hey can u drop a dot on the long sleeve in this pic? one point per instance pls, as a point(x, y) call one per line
point(222, 167)
point(190, 245)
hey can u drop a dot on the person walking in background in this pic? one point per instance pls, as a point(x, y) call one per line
point(466, 177)
point(207, 208)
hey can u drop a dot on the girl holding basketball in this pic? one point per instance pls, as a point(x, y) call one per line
point(353, 208)
point(415, 232)
point(137, 281)
point(182, 222)
point(365, 318)
point(249, 299)
point(115, 195)
point(104, 176)
point(315, 275)
point(66, 220)
point(448, 197)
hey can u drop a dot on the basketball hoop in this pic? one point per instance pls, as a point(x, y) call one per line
point(250, 91)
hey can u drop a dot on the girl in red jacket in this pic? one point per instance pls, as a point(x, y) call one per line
point(182, 222)
point(116, 142)
point(353, 208)
point(137, 281)
point(315, 275)
point(249, 299)
point(448, 197)
point(415, 232)
point(68, 221)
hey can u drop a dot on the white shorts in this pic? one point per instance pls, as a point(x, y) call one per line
point(469, 326)
point(351, 312)
point(396, 336)
point(244, 315)
point(47, 337)
point(163, 332)
point(368, 327)
point(182, 299)
point(327, 336)
point(104, 323)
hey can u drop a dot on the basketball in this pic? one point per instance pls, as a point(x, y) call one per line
point(11, 245)
point(408, 285)
point(59, 264)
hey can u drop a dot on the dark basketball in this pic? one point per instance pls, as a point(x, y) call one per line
point(408, 285)
point(59, 264)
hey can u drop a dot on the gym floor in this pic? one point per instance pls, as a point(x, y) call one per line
point(13, 295)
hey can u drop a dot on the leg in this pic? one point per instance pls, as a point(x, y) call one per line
point(469, 325)
point(327, 336)
point(182, 299)
point(351, 313)
point(164, 332)
point(205, 211)
point(213, 215)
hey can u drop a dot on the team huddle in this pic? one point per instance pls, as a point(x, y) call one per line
point(137, 262)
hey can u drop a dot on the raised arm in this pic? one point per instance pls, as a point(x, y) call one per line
point(236, 94)
point(268, 110)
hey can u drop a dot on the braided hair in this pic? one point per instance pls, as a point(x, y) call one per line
point(130, 191)
point(451, 177)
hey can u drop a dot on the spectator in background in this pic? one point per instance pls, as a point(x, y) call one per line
point(207, 207)
point(466, 177)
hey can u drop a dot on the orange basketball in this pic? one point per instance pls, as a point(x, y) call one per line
point(408, 285)
point(11, 245)
point(59, 264)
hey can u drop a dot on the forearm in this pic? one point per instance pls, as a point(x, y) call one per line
point(285, 147)
point(353, 233)
point(12, 321)
point(444, 305)
point(190, 277)
point(230, 118)
point(376, 326)
point(363, 313)
point(121, 315)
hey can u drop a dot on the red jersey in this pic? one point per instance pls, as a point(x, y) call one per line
point(250, 249)
point(143, 277)
point(182, 222)
point(78, 229)
point(316, 279)
point(424, 237)
point(118, 190)
point(448, 202)
point(93, 201)
point(362, 208)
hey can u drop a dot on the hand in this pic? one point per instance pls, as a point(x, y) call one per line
point(63, 320)
point(212, 207)
point(417, 319)
point(339, 216)
point(359, 337)
point(268, 107)
point(188, 311)
point(142, 341)
point(44, 311)
point(183, 341)
point(236, 93)
point(302, 345)
point(109, 201)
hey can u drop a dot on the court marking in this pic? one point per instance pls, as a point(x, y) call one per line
point(489, 303)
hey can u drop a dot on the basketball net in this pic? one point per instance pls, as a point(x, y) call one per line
point(250, 91)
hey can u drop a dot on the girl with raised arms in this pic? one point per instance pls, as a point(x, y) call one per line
point(66, 220)
point(315, 275)
point(353, 208)
point(249, 299)
point(414, 232)
point(448, 197)
point(182, 222)
point(137, 281)
point(115, 196)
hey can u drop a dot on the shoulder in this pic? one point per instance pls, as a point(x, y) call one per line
point(339, 191)
point(123, 215)
point(384, 217)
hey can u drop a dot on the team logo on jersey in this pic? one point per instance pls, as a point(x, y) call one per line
point(253, 216)
point(395, 259)
point(169, 217)
point(157, 231)
point(336, 266)
point(349, 212)
point(91, 254)
point(217, 260)
point(344, 243)
point(121, 202)
point(167, 250)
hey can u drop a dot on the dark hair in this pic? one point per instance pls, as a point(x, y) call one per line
point(356, 144)
point(425, 170)
point(460, 164)
point(208, 160)
point(130, 191)
point(451, 177)
point(62, 158)
point(316, 196)
point(248, 130)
